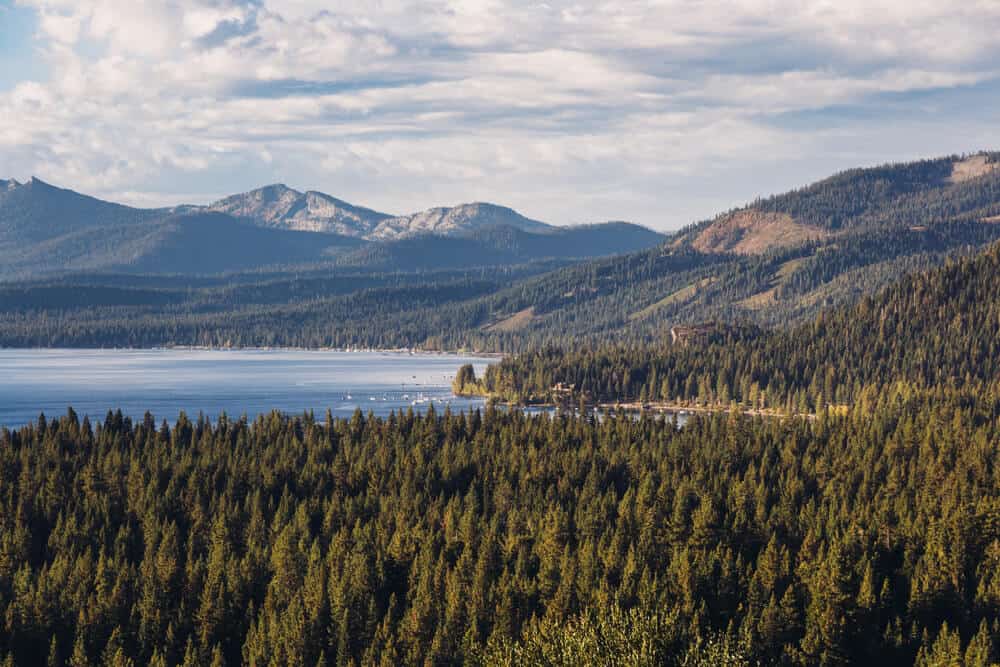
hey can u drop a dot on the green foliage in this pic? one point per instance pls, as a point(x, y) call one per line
point(499, 536)
point(613, 637)
point(933, 330)
point(869, 534)
point(465, 382)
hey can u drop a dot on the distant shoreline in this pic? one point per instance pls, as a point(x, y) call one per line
point(208, 348)
point(655, 407)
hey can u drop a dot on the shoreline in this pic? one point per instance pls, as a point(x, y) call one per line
point(685, 409)
point(659, 408)
point(209, 348)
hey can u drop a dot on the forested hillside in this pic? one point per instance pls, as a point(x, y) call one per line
point(903, 195)
point(849, 236)
point(939, 328)
point(872, 226)
point(315, 308)
point(499, 538)
point(500, 245)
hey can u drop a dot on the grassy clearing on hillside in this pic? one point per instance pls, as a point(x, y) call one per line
point(515, 322)
point(770, 296)
point(683, 294)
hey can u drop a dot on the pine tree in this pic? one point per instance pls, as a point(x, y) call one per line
point(80, 657)
point(53, 659)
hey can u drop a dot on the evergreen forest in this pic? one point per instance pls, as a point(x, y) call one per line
point(498, 538)
point(830, 497)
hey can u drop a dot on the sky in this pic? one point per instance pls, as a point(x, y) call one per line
point(662, 112)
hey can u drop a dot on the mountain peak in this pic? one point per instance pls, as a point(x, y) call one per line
point(279, 188)
point(459, 220)
point(37, 182)
point(279, 206)
point(479, 205)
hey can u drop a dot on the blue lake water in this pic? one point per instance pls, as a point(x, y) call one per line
point(234, 382)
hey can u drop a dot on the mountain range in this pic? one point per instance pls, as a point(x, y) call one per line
point(45, 230)
point(775, 262)
point(281, 207)
point(479, 276)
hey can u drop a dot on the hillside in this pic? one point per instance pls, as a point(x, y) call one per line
point(203, 243)
point(776, 263)
point(501, 245)
point(939, 328)
point(35, 211)
point(864, 230)
point(902, 196)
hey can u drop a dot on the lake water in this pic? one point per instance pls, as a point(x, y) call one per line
point(235, 382)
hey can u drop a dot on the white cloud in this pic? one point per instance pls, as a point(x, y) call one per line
point(60, 27)
point(659, 111)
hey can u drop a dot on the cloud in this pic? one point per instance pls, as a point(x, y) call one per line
point(661, 111)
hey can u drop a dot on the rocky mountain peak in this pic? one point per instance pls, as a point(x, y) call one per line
point(457, 221)
point(281, 207)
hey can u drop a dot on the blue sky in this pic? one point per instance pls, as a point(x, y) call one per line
point(661, 111)
point(18, 58)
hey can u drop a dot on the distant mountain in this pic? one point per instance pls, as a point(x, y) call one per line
point(502, 245)
point(35, 211)
point(281, 207)
point(456, 221)
point(45, 230)
point(210, 242)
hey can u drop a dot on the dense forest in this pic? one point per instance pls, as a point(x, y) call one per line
point(939, 328)
point(633, 299)
point(500, 538)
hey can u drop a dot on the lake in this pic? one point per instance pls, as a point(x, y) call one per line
point(234, 382)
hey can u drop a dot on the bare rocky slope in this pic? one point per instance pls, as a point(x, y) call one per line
point(279, 206)
point(457, 221)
